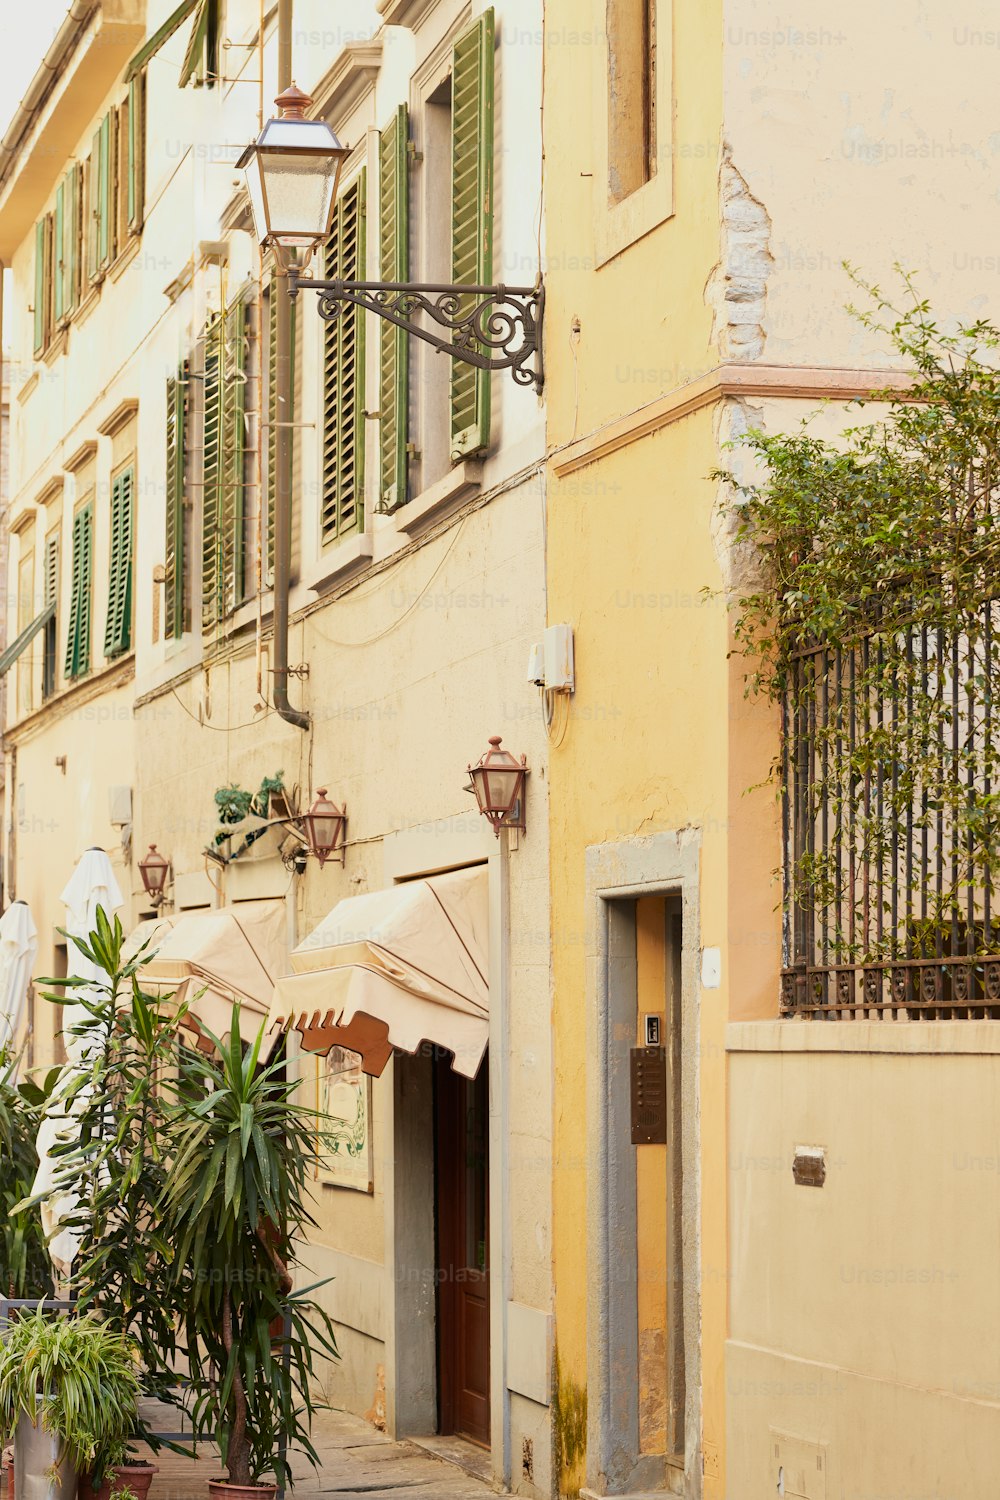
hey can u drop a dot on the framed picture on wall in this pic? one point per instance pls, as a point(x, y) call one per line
point(344, 1129)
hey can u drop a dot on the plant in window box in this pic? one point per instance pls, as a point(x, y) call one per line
point(69, 1392)
point(244, 816)
point(235, 1205)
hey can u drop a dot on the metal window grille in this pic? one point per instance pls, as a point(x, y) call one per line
point(890, 769)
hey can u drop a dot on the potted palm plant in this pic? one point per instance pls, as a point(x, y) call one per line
point(69, 1390)
point(234, 1204)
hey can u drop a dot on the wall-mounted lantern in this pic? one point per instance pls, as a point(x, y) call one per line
point(498, 783)
point(292, 173)
point(324, 827)
point(154, 870)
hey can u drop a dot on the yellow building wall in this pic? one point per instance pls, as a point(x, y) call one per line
point(642, 746)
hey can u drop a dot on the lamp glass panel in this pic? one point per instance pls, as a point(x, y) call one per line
point(255, 188)
point(501, 788)
point(324, 829)
point(299, 196)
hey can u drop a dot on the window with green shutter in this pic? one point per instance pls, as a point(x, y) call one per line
point(472, 216)
point(211, 473)
point(118, 627)
point(93, 207)
point(394, 344)
point(232, 517)
point(71, 240)
point(78, 639)
point(51, 597)
point(59, 298)
point(344, 374)
point(174, 570)
point(135, 186)
point(201, 61)
point(224, 465)
point(105, 193)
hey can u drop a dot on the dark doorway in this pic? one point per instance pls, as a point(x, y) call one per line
point(463, 1251)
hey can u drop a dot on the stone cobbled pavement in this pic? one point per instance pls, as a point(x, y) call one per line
point(356, 1460)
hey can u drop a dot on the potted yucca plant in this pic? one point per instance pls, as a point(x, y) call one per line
point(235, 1206)
point(69, 1393)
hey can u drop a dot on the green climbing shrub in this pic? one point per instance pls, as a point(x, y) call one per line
point(873, 621)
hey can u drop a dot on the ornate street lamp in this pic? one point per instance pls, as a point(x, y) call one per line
point(154, 870)
point(292, 174)
point(498, 783)
point(325, 826)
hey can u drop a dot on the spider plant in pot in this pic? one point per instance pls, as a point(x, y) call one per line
point(235, 1206)
point(69, 1388)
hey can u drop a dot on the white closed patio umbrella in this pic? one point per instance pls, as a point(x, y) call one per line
point(91, 885)
point(18, 946)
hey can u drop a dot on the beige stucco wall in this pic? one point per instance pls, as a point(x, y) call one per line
point(860, 1311)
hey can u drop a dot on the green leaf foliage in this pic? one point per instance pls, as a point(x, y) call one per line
point(874, 622)
point(76, 1375)
point(25, 1269)
point(235, 1206)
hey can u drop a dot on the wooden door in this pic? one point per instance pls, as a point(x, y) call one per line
point(463, 1224)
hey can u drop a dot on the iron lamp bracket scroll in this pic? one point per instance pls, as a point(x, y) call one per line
point(491, 327)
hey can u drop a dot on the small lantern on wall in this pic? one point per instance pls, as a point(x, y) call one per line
point(325, 827)
point(154, 870)
point(498, 783)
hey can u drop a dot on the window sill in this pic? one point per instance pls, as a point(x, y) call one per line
point(345, 557)
point(124, 258)
point(464, 480)
point(30, 385)
point(57, 347)
point(403, 12)
point(87, 306)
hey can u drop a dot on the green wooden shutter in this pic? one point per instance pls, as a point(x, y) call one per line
point(39, 314)
point(394, 344)
point(135, 191)
point(51, 586)
point(472, 216)
point(174, 621)
point(200, 64)
point(232, 513)
point(211, 474)
point(105, 236)
point(118, 628)
point(72, 238)
point(78, 639)
point(94, 210)
point(60, 279)
point(344, 374)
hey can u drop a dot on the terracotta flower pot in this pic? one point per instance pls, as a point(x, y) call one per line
point(221, 1489)
point(136, 1477)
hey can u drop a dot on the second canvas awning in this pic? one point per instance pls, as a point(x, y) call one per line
point(397, 968)
point(211, 958)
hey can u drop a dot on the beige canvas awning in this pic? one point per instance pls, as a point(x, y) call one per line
point(211, 958)
point(397, 968)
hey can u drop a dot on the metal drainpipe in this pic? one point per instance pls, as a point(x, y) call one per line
point(283, 437)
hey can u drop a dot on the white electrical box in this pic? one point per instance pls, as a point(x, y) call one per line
point(558, 655)
point(536, 666)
